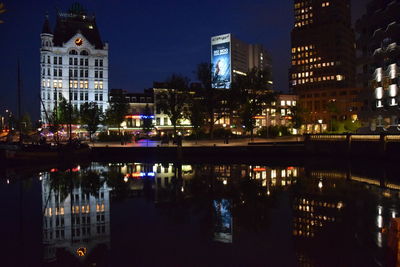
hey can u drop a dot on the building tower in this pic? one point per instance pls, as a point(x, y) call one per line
point(231, 57)
point(378, 44)
point(74, 62)
point(323, 58)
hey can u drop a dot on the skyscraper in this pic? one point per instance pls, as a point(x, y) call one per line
point(231, 57)
point(378, 69)
point(74, 62)
point(322, 70)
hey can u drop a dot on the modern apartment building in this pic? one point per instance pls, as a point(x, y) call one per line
point(323, 57)
point(378, 69)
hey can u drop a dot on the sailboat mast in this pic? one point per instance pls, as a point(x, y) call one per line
point(19, 85)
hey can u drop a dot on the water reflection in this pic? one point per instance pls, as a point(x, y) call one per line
point(76, 214)
point(302, 216)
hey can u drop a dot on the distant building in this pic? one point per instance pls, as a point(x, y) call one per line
point(231, 57)
point(323, 56)
point(137, 107)
point(74, 62)
point(280, 112)
point(378, 70)
point(162, 121)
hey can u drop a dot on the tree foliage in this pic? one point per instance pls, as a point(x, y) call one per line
point(147, 120)
point(66, 113)
point(173, 100)
point(117, 111)
point(252, 92)
point(196, 114)
point(91, 116)
point(2, 10)
point(214, 100)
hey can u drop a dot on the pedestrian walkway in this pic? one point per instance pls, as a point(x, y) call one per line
point(200, 143)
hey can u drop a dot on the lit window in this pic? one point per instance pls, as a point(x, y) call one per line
point(282, 102)
point(101, 85)
point(339, 77)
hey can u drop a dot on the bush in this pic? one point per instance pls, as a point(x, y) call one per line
point(222, 133)
point(273, 131)
point(114, 137)
point(201, 134)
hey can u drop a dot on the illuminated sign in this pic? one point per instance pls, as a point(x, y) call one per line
point(138, 175)
point(139, 117)
point(223, 221)
point(221, 75)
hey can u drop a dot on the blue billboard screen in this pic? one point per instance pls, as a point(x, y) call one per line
point(221, 65)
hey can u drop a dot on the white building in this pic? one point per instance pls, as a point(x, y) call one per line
point(74, 62)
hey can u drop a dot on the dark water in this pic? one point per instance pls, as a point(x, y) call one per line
point(164, 214)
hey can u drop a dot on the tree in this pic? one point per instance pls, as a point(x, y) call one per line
point(91, 116)
point(54, 124)
point(196, 115)
point(213, 99)
point(253, 93)
point(297, 113)
point(173, 100)
point(26, 123)
point(67, 115)
point(147, 120)
point(333, 111)
point(117, 111)
point(2, 10)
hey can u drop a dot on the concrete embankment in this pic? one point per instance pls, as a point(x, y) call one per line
point(294, 151)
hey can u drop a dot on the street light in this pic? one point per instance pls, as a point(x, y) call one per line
point(320, 125)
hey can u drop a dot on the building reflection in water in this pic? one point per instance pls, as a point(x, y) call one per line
point(76, 220)
point(320, 201)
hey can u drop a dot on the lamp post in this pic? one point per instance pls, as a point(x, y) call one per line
point(320, 126)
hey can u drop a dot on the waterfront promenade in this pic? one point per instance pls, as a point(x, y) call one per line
point(204, 143)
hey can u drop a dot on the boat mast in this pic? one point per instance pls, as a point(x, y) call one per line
point(70, 114)
point(19, 85)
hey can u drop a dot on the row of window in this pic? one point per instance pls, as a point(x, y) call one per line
point(319, 79)
point(73, 84)
point(303, 17)
point(57, 72)
point(302, 48)
point(334, 93)
point(302, 4)
point(303, 23)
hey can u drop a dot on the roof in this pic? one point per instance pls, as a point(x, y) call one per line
point(46, 26)
point(73, 22)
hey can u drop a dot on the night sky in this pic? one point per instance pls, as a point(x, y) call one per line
point(148, 40)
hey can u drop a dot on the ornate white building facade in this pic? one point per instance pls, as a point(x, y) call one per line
point(74, 62)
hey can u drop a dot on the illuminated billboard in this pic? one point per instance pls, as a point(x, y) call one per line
point(223, 221)
point(221, 76)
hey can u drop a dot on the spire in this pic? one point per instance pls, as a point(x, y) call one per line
point(46, 25)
